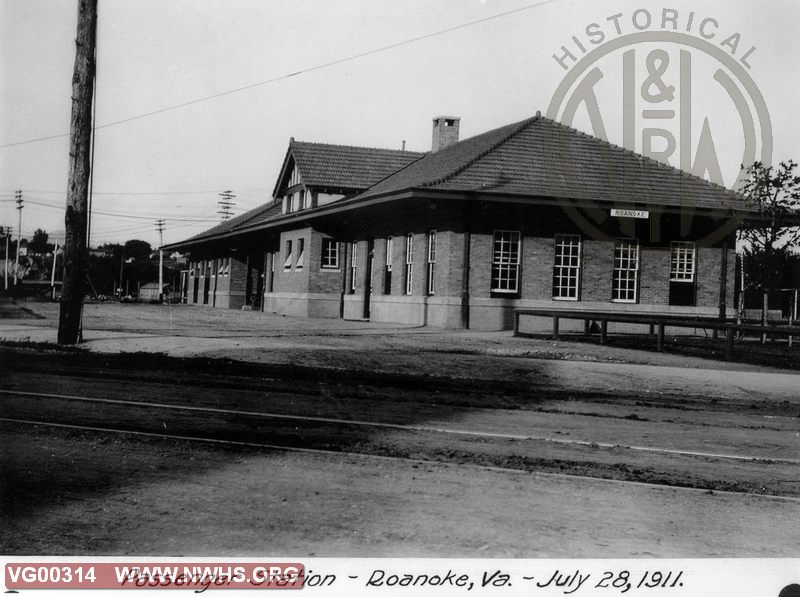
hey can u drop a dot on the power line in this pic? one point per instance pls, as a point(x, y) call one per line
point(64, 192)
point(128, 216)
point(296, 73)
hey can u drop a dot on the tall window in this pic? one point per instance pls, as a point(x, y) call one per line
point(682, 261)
point(287, 262)
point(409, 263)
point(271, 257)
point(330, 254)
point(567, 267)
point(626, 271)
point(432, 262)
point(301, 245)
point(353, 266)
point(682, 274)
point(387, 272)
point(505, 261)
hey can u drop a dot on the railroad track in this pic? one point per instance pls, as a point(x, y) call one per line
point(470, 433)
point(404, 459)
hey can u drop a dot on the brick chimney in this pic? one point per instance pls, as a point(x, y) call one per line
point(445, 132)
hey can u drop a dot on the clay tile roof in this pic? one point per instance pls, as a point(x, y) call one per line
point(539, 157)
point(345, 166)
point(254, 216)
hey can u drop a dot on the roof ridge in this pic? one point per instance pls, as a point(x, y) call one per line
point(641, 156)
point(295, 142)
point(520, 126)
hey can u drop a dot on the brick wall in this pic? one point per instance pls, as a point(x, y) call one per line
point(537, 267)
point(293, 279)
point(238, 275)
point(709, 266)
point(480, 265)
point(322, 280)
point(654, 265)
point(597, 263)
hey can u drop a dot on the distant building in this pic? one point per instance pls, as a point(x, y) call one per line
point(531, 214)
point(151, 292)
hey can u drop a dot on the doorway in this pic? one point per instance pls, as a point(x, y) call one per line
point(368, 277)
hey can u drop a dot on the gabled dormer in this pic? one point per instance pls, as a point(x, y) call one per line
point(315, 174)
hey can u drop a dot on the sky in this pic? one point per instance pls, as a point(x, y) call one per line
point(369, 73)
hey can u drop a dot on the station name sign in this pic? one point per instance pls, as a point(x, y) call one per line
point(640, 214)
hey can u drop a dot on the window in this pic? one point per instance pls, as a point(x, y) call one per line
point(682, 260)
point(387, 272)
point(409, 263)
point(626, 271)
point(271, 258)
point(505, 262)
point(305, 199)
point(567, 267)
point(389, 253)
point(287, 262)
point(682, 274)
point(294, 178)
point(301, 244)
point(353, 266)
point(431, 279)
point(330, 254)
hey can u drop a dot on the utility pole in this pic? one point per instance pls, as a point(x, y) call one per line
point(20, 205)
point(53, 272)
point(160, 228)
point(80, 136)
point(5, 270)
point(226, 204)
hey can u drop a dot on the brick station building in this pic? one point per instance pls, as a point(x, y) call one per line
point(532, 214)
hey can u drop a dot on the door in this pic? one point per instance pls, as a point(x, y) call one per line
point(368, 277)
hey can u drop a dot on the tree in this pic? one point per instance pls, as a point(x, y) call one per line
point(139, 250)
point(39, 244)
point(774, 192)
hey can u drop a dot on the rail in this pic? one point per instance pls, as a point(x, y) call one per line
point(659, 322)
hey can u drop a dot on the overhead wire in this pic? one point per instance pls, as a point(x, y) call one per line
point(296, 73)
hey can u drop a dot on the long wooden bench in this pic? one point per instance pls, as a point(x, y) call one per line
point(659, 322)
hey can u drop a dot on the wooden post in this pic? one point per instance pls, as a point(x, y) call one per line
point(555, 327)
point(516, 323)
point(764, 309)
point(465, 282)
point(585, 327)
point(723, 284)
point(75, 219)
point(603, 331)
point(652, 331)
point(660, 341)
point(344, 277)
point(53, 277)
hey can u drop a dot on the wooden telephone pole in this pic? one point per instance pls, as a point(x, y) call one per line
point(76, 219)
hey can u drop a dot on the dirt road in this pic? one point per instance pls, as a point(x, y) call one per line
point(606, 448)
